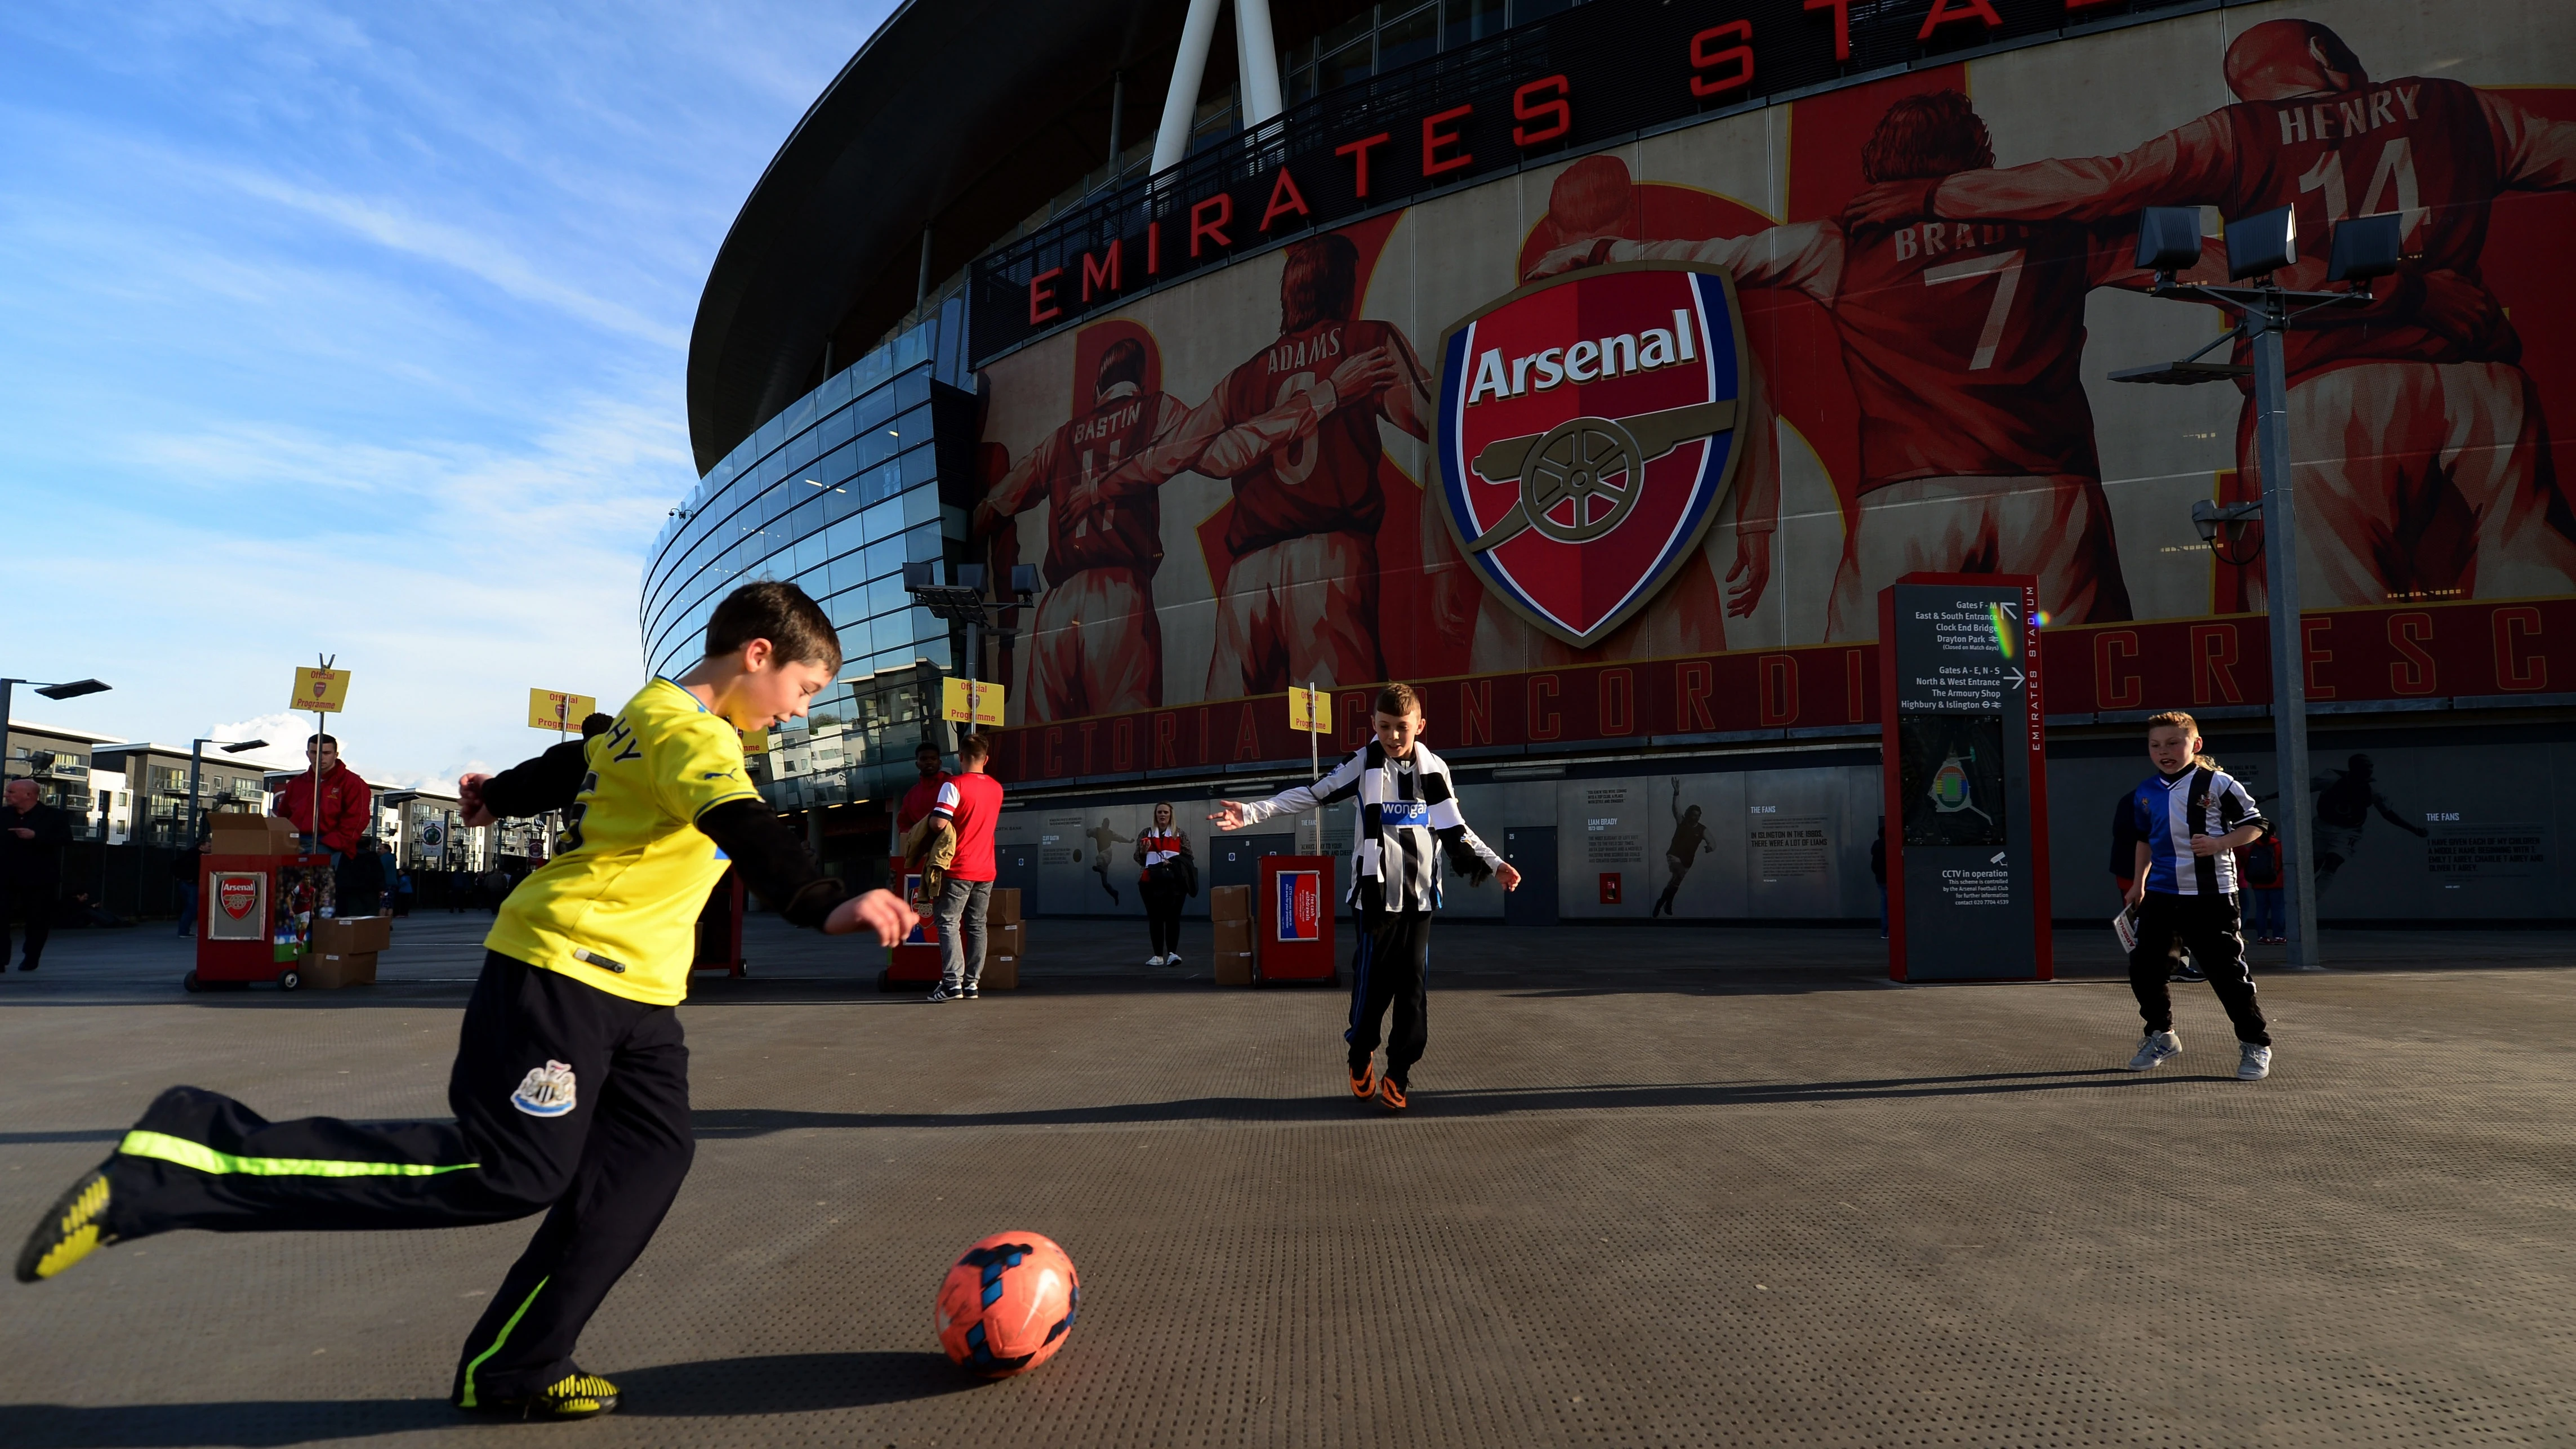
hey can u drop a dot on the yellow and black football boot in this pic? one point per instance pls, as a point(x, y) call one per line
point(576, 1395)
point(73, 1228)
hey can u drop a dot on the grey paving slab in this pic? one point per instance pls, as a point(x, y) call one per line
point(1660, 1187)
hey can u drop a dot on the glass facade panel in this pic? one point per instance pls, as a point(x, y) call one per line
point(834, 494)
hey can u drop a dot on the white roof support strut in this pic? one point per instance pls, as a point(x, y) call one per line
point(1256, 56)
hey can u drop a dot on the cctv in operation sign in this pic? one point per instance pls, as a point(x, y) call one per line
point(1966, 778)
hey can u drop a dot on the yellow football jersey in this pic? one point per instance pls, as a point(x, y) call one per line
point(617, 907)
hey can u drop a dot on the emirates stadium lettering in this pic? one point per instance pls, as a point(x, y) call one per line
point(1548, 90)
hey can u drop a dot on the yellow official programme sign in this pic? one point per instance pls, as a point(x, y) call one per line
point(552, 709)
point(1310, 709)
point(754, 742)
point(967, 701)
point(320, 689)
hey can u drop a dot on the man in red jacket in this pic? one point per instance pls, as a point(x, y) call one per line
point(348, 806)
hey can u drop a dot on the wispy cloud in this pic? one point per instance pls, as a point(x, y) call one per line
point(361, 330)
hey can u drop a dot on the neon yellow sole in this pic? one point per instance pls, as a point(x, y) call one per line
point(72, 1229)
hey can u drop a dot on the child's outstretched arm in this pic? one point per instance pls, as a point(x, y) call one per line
point(778, 868)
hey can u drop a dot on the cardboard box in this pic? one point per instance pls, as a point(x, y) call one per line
point(250, 835)
point(1234, 968)
point(349, 935)
point(1233, 937)
point(1003, 909)
point(1001, 973)
point(329, 971)
point(1230, 903)
point(1010, 940)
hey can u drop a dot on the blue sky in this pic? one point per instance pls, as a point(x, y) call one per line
point(361, 329)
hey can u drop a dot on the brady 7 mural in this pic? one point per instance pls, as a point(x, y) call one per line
point(1709, 392)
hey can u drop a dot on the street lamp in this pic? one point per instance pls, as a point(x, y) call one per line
point(962, 599)
point(73, 690)
point(2169, 241)
point(196, 766)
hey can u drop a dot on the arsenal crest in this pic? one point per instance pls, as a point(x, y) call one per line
point(1587, 437)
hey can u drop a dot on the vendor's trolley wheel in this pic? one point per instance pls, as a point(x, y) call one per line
point(289, 980)
point(189, 984)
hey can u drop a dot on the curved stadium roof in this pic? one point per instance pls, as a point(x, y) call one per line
point(964, 115)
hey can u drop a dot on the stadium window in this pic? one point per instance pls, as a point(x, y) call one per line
point(1408, 38)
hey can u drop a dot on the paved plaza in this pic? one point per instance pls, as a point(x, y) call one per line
point(1659, 1187)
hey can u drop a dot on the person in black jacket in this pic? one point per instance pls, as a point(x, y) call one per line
point(32, 837)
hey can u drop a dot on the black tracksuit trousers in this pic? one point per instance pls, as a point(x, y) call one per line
point(1391, 967)
point(2210, 926)
point(602, 1155)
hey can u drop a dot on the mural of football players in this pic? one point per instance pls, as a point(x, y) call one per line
point(1592, 199)
point(1962, 343)
point(1098, 645)
point(1295, 428)
point(2397, 409)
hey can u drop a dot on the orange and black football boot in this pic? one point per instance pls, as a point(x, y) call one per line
point(1364, 1079)
point(1390, 1095)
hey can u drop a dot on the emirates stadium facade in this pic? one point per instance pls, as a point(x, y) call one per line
point(1235, 331)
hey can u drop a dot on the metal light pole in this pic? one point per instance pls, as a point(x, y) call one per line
point(2169, 242)
point(72, 690)
point(196, 766)
point(964, 601)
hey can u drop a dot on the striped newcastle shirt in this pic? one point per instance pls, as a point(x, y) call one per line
point(2169, 812)
point(1408, 818)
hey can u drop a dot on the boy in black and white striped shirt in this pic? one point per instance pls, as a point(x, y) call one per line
point(1408, 819)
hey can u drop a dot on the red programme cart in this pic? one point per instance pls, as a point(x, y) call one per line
point(254, 918)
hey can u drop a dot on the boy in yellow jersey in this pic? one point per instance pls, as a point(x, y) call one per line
point(570, 1087)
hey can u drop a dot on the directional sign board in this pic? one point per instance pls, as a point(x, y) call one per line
point(1967, 775)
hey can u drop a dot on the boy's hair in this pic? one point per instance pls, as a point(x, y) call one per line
point(781, 613)
point(926, 745)
point(973, 748)
point(332, 740)
point(2176, 719)
point(1398, 700)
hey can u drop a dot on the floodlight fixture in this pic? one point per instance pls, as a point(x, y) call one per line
point(2265, 242)
point(240, 745)
point(2367, 247)
point(2169, 238)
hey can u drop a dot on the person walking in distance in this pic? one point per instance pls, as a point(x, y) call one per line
point(32, 837)
point(2258, 872)
point(2191, 819)
point(1164, 853)
point(1103, 836)
point(970, 803)
point(1408, 822)
point(347, 807)
point(1689, 834)
point(571, 1084)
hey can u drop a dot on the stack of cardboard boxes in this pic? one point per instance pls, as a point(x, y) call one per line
point(1005, 938)
point(236, 833)
point(343, 951)
point(1230, 911)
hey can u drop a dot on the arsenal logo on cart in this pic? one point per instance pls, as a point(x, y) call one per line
point(1587, 437)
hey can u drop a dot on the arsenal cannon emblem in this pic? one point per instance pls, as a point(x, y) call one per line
point(1587, 437)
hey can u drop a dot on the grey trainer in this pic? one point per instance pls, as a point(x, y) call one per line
point(2253, 1063)
point(2159, 1048)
